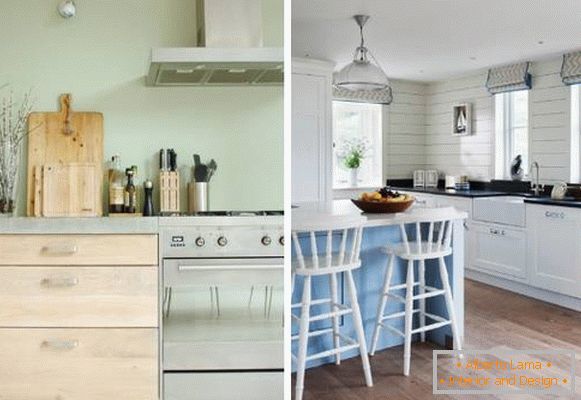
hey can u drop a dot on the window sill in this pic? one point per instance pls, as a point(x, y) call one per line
point(351, 192)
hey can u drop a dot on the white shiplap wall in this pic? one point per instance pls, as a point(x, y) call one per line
point(550, 122)
point(474, 155)
point(460, 155)
point(405, 134)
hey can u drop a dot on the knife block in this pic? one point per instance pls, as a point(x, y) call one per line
point(169, 191)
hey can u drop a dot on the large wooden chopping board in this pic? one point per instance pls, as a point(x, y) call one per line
point(64, 137)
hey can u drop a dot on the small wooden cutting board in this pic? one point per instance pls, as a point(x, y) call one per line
point(61, 138)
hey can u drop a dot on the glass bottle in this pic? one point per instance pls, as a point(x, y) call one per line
point(130, 194)
point(116, 200)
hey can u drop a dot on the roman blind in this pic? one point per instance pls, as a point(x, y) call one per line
point(383, 96)
point(509, 78)
point(571, 68)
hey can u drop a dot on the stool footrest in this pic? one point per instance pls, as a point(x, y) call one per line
point(332, 352)
point(342, 311)
point(397, 315)
point(319, 332)
point(430, 292)
point(313, 303)
point(431, 327)
point(392, 329)
point(402, 286)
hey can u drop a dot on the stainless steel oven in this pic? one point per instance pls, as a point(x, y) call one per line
point(223, 309)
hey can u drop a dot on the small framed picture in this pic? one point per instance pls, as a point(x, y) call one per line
point(462, 120)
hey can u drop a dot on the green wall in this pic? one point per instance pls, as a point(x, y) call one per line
point(101, 56)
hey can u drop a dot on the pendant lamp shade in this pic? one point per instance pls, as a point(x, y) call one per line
point(364, 72)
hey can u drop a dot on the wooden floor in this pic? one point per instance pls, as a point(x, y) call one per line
point(494, 318)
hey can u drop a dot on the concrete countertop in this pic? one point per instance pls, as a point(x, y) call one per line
point(100, 225)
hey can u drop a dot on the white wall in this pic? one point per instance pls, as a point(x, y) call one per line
point(460, 155)
point(102, 55)
point(405, 134)
point(550, 132)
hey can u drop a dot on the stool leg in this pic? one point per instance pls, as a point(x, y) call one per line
point(422, 273)
point(358, 324)
point(334, 308)
point(450, 304)
point(382, 303)
point(303, 338)
point(409, 306)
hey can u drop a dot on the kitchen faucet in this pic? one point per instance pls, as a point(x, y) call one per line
point(536, 186)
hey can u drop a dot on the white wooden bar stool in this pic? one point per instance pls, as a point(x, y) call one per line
point(339, 238)
point(432, 230)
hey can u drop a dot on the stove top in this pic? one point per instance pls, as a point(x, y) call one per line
point(222, 234)
point(260, 213)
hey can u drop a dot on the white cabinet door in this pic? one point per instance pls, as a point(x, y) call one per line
point(554, 248)
point(311, 136)
point(498, 250)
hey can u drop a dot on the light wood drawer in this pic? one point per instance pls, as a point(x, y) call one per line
point(78, 364)
point(78, 250)
point(78, 296)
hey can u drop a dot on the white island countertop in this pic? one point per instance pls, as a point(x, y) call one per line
point(304, 213)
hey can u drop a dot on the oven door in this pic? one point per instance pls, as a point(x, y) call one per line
point(223, 315)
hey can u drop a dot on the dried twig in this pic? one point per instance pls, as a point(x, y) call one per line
point(13, 130)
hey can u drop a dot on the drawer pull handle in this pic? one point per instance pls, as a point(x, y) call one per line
point(186, 268)
point(59, 282)
point(61, 345)
point(62, 249)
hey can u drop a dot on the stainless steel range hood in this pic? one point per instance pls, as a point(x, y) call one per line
point(229, 51)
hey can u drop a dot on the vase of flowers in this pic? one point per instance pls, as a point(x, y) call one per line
point(13, 130)
point(352, 152)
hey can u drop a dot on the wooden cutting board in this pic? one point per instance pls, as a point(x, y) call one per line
point(68, 190)
point(60, 138)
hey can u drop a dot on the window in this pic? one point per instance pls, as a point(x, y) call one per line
point(575, 133)
point(512, 131)
point(357, 140)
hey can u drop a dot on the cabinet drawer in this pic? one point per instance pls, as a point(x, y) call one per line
point(78, 296)
point(498, 250)
point(71, 364)
point(78, 250)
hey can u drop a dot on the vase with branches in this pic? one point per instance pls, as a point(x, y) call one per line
point(13, 130)
point(352, 152)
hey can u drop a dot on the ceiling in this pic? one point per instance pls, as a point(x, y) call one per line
point(429, 40)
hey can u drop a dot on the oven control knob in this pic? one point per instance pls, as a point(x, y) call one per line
point(200, 242)
point(222, 241)
point(281, 240)
point(266, 240)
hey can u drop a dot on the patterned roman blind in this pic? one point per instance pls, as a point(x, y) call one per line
point(383, 96)
point(571, 68)
point(509, 78)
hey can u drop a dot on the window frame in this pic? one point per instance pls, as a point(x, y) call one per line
point(575, 173)
point(504, 134)
point(348, 191)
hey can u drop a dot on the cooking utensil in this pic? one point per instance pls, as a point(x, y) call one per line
point(375, 207)
point(197, 160)
point(65, 137)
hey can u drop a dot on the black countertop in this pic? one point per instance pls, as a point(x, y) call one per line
point(547, 201)
point(453, 192)
point(528, 198)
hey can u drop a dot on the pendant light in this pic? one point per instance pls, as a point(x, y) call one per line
point(364, 72)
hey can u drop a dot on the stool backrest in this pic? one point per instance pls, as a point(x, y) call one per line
point(431, 229)
point(329, 243)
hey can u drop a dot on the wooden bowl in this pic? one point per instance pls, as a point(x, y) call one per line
point(375, 207)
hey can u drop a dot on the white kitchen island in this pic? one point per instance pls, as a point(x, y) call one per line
point(380, 230)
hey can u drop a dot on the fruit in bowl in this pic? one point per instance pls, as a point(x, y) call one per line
point(385, 195)
point(384, 200)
